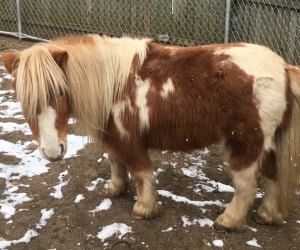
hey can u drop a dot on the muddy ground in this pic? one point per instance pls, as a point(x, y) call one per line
point(182, 224)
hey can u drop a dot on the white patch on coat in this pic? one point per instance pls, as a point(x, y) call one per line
point(141, 102)
point(167, 88)
point(269, 87)
point(117, 111)
point(49, 143)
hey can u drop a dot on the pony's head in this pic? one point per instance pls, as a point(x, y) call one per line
point(41, 88)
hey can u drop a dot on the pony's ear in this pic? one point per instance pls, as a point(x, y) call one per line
point(10, 60)
point(60, 57)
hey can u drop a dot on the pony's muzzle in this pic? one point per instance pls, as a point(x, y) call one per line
point(53, 153)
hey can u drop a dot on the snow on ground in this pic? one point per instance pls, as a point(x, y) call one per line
point(253, 243)
point(25, 239)
point(9, 127)
point(46, 215)
point(218, 243)
point(182, 199)
point(104, 205)
point(201, 222)
point(118, 229)
point(94, 183)
point(79, 198)
point(194, 170)
point(169, 229)
point(61, 183)
point(28, 163)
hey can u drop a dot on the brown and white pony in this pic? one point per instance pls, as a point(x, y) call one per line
point(133, 95)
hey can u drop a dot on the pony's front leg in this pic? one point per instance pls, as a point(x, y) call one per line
point(119, 178)
point(234, 217)
point(146, 206)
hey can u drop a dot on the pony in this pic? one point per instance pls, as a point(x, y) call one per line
point(133, 94)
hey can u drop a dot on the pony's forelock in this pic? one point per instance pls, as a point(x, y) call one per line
point(40, 80)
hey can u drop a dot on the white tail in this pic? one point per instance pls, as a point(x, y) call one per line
point(288, 148)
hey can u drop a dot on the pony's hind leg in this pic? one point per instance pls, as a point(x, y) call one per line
point(234, 217)
point(269, 211)
point(119, 178)
point(146, 206)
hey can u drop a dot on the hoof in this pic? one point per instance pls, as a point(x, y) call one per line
point(267, 217)
point(140, 211)
point(224, 224)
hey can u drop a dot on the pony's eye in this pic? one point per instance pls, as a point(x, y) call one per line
point(61, 93)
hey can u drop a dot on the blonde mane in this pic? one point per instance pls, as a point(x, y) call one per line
point(94, 76)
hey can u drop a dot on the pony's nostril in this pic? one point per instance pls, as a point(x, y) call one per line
point(62, 149)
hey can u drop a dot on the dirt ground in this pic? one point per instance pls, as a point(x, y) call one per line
point(74, 226)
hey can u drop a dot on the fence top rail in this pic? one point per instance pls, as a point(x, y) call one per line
point(291, 4)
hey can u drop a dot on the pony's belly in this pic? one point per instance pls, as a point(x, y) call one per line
point(181, 142)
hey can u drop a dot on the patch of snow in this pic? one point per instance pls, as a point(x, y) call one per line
point(8, 76)
point(46, 215)
point(259, 195)
point(182, 199)
point(201, 222)
point(104, 205)
point(7, 205)
point(253, 243)
point(9, 127)
point(94, 184)
point(173, 164)
point(200, 187)
point(118, 229)
point(12, 108)
point(31, 164)
point(222, 187)
point(253, 229)
point(25, 239)
point(103, 157)
point(57, 189)
point(194, 171)
point(298, 221)
point(218, 243)
point(79, 198)
point(6, 92)
point(167, 230)
point(75, 143)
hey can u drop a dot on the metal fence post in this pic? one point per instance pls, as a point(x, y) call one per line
point(227, 21)
point(19, 19)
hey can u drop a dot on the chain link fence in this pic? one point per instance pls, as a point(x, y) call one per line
point(274, 23)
